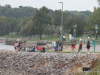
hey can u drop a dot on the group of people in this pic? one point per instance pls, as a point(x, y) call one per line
point(57, 46)
point(18, 45)
point(35, 48)
point(80, 45)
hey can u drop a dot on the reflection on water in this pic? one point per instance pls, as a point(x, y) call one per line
point(6, 47)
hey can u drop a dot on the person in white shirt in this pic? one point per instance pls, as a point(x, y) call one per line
point(64, 37)
point(54, 45)
point(35, 48)
point(80, 39)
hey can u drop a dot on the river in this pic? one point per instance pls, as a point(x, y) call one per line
point(6, 47)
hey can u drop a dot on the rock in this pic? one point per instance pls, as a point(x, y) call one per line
point(27, 63)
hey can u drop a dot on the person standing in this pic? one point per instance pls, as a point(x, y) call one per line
point(64, 38)
point(18, 46)
point(57, 44)
point(80, 47)
point(54, 44)
point(15, 45)
point(72, 46)
point(88, 44)
point(60, 44)
point(25, 43)
point(80, 39)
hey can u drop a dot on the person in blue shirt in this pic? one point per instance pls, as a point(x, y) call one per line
point(57, 44)
point(60, 44)
point(32, 49)
point(43, 49)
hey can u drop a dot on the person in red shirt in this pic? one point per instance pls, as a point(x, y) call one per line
point(73, 45)
point(80, 47)
point(38, 47)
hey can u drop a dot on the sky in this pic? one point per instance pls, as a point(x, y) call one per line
point(70, 5)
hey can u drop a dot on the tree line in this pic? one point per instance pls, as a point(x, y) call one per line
point(32, 21)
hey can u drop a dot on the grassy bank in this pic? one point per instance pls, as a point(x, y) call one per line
point(10, 35)
point(49, 38)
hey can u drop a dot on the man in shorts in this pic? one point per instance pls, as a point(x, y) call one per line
point(60, 44)
point(88, 44)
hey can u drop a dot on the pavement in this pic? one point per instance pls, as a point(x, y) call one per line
point(84, 49)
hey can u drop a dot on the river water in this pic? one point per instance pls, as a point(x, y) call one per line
point(6, 47)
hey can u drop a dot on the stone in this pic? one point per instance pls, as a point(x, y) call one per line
point(35, 63)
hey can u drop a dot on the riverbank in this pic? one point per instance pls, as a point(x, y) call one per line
point(36, 63)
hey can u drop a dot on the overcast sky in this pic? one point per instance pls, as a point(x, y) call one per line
point(70, 5)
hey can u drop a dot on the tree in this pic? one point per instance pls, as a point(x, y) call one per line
point(57, 17)
point(49, 30)
point(84, 14)
point(13, 24)
point(18, 28)
point(26, 27)
point(4, 25)
point(57, 30)
point(95, 20)
point(40, 20)
point(68, 25)
point(98, 1)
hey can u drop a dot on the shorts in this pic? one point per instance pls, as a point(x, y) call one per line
point(88, 46)
point(80, 48)
point(72, 46)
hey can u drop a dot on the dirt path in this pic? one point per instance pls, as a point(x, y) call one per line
point(68, 48)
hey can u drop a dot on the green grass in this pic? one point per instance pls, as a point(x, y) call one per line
point(54, 51)
point(10, 36)
point(65, 51)
point(49, 38)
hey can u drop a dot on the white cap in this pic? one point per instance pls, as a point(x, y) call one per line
point(88, 37)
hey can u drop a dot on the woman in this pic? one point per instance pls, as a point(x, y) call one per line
point(35, 48)
point(25, 43)
point(80, 47)
point(15, 45)
point(18, 46)
point(73, 46)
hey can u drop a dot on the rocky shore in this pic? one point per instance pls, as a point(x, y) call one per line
point(27, 63)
